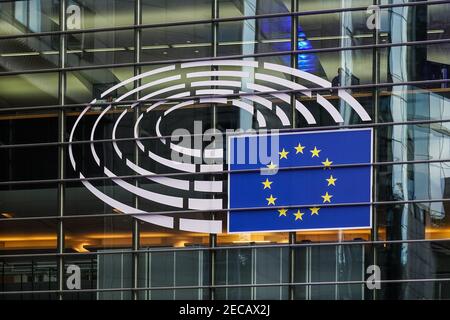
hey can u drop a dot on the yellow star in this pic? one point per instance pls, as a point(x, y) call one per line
point(267, 183)
point(271, 165)
point(282, 212)
point(315, 152)
point(283, 154)
point(298, 215)
point(331, 180)
point(327, 197)
point(314, 210)
point(299, 148)
point(327, 163)
point(271, 200)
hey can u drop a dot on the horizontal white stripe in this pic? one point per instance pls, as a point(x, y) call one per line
point(205, 226)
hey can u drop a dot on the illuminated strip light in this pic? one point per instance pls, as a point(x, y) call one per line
point(276, 40)
point(105, 49)
point(194, 45)
point(155, 47)
point(20, 54)
point(190, 45)
point(435, 31)
point(236, 43)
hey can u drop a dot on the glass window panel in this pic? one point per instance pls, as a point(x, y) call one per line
point(177, 42)
point(324, 118)
point(312, 5)
point(174, 268)
point(166, 11)
point(423, 260)
point(232, 117)
point(83, 86)
point(40, 89)
point(414, 23)
point(30, 236)
point(331, 263)
point(114, 271)
point(88, 266)
point(31, 53)
point(99, 48)
point(79, 200)
point(253, 36)
point(28, 16)
point(330, 30)
point(351, 67)
point(28, 274)
point(28, 200)
point(249, 266)
point(15, 127)
point(30, 163)
point(415, 63)
point(103, 13)
point(424, 220)
point(230, 8)
point(97, 234)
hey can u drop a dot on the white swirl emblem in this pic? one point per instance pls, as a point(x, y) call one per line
point(181, 81)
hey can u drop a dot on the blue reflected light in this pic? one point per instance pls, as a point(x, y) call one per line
point(306, 61)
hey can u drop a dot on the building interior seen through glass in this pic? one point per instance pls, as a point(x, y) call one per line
point(85, 140)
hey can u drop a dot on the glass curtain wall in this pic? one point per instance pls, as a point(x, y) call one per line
point(59, 56)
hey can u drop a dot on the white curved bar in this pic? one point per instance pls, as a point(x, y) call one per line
point(159, 220)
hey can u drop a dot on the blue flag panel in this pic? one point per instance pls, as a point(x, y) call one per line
point(315, 181)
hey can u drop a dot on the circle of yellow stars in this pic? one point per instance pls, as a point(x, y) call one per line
point(326, 198)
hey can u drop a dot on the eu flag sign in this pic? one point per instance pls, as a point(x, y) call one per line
point(315, 181)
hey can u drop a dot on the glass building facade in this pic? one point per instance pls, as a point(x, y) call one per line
point(56, 56)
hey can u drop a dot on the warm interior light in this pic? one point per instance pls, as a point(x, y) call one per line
point(7, 214)
point(80, 247)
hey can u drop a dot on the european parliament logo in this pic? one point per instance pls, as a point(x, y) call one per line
point(319, 180)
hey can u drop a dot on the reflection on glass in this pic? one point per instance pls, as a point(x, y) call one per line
point(174, 268)
point(96, 234)
point(98, 48)
point(38, 200)
point(343, 29)
point(414, 23)
point(177, 42)
point(102, 13)
point(29, 53)
point(21, 168)
point(252, 36)
point(425, 260)
point(311, 5)
point(15, 127)
point(28, 16)
point(230, 8)
point(166, 11)
point(41, 89)
point(252, 266)
point(28, 274)
point(83, 86)
point(330, 263)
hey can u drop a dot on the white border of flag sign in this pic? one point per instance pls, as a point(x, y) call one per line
point(302, 133)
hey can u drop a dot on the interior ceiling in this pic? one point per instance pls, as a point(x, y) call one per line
point(325, 25)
